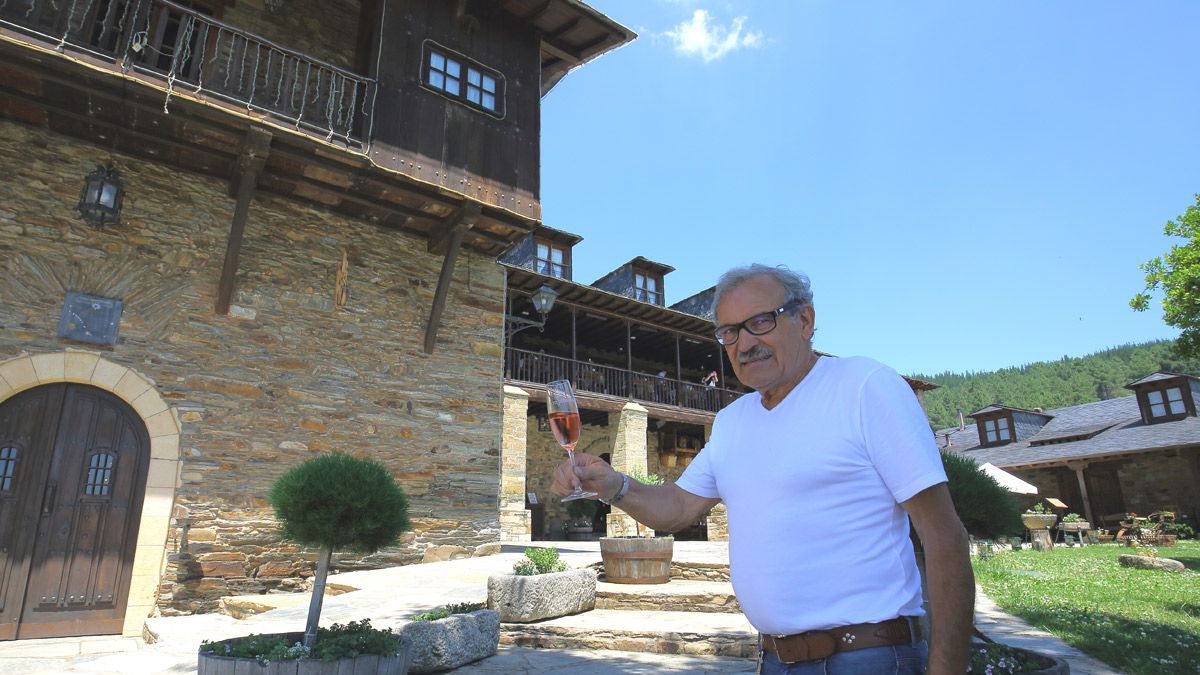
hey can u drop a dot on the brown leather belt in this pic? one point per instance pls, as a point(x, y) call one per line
point(821, 644)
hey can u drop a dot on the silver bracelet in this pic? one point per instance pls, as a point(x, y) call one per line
point(620, 493)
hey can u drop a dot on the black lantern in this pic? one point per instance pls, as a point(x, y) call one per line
point(100, 201)
point(543, 301)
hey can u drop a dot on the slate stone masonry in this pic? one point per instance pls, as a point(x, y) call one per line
point(285, 375)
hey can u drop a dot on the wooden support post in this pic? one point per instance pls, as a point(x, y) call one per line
point(1083, 492)
point(449, 240)
point(251, 161)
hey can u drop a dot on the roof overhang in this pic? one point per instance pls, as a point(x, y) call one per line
point(1076, 460)
point(590, 297)
point(572, 33)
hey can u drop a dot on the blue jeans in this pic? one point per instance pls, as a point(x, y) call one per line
point(894, 660)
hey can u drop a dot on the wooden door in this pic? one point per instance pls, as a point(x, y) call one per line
point(78, 458)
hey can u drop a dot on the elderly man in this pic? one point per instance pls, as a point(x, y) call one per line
point(821, 470)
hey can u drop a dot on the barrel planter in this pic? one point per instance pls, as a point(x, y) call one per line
point(372, 664)
point(637, 560)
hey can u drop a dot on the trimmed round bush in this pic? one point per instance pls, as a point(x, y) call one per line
point(986, 509)
point(340, 502)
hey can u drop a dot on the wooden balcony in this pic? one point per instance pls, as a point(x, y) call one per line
point(190, 51)
point(526, 367)
point(160, 81)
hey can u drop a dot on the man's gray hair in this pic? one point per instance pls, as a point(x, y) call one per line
point(795, 284)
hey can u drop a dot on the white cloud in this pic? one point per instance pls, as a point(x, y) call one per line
point(710, 42)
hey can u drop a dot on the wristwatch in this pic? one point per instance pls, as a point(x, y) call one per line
point(620, 493)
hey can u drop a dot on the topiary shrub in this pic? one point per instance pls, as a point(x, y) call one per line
point(341, 502)
point(986, 509)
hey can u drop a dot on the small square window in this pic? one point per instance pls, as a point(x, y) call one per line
point(476, 87)
point(551, 260)
point(1175, 401)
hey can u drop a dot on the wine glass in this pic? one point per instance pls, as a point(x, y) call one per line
point(564, 422)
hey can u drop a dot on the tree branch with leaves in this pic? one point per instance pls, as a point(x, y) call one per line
point(1177, 274)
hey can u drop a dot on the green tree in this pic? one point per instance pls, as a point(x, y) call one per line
point(338, 501)
point(1178, 275)
point(985, 509)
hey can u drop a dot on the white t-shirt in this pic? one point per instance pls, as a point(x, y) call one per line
point(817, 537)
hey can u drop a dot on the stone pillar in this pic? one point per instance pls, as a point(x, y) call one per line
point(717, 525)
point(629, 451)
point(514, 518)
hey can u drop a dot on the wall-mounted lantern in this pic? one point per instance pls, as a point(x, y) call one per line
point(100, 201)
point(543, 301)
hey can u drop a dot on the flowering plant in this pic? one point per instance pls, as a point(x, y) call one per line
point(993, 658)
point(1038, 508)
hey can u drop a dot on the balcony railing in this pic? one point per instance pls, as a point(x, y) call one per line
point(191, 50)
point(539, 368)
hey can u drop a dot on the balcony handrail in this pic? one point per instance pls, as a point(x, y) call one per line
point(540, 368)
point(183, 9)
point(208, 56)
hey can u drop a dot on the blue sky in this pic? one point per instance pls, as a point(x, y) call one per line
point(970, 186)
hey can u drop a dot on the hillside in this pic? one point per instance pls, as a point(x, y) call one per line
point(1053, 384)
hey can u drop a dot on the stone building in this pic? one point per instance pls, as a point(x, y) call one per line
point(289, 249)
point(1138, 453)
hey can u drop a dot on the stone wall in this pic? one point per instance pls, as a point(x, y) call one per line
point(286, 375)
point(1162, 480)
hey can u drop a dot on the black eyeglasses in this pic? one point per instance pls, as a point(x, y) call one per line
point(759, 324)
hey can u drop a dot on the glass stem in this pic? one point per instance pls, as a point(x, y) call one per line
point(571, 461)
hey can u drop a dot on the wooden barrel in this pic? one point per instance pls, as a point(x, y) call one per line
point(637, 560)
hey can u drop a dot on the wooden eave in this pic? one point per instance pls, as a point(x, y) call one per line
point(648, 265)
point(567, 239)
point(89, 99)
point(1088, 459)
point(614, 404)
point(590, 298)
point(572, 33)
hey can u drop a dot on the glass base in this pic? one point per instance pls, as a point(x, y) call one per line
point(579, 493)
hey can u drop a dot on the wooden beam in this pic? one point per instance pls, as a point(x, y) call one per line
point(537, 11)
point(251, 161)
point(560, 53)
point(459, 223)
point(1078, 468)
point(563, 29)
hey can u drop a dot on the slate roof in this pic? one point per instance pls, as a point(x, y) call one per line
point(1155, 377)
point(1116, 424)
point(999, 406)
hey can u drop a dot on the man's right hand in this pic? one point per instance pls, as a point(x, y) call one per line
point(592, 473)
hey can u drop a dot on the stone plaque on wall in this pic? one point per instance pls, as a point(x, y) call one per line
point(90, 318)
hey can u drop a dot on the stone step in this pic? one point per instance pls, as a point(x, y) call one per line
point(674, 596)
point(655, 632)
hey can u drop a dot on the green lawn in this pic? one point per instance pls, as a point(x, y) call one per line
point(1143, 622)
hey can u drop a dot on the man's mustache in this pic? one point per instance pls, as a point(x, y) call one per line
point(754, 353)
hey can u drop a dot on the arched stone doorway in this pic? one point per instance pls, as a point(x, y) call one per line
point(100, 449)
